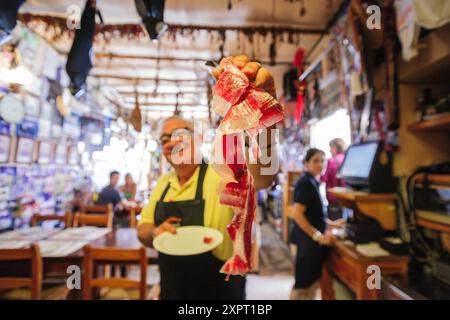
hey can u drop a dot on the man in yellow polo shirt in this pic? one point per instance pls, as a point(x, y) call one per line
point(188, 195)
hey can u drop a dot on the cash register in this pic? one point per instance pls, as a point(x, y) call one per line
point(367, 169)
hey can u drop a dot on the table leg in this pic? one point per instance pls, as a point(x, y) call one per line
point(326, 284)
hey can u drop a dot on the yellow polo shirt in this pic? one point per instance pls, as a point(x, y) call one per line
point(216, 216)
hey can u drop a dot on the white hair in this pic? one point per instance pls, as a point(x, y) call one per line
point(166, 120)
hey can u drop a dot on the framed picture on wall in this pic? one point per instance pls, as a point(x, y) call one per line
point(74, 156)
point(5, 147)
point(25, 149)
point(32, 106)
point(45, 152)
point(61, 153)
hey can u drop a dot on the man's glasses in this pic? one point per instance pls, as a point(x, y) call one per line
point(176, 134)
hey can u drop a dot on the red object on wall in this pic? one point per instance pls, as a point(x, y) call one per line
point(298, 59)
point(298, 63)
point(299, 108)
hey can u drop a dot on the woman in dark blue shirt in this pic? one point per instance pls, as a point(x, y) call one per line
point(308, 232)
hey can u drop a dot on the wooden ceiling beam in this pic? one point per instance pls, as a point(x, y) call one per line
point(168, 104)
point(139, 79)
point(162, 94)
point(144, 83)
point(248, 29)
point(105, 65)
point(103, 55)
point(110, 55)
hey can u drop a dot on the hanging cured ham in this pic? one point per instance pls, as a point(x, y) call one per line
point(246, 110)
point(80, 57)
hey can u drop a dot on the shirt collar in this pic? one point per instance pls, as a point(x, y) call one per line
point(314, 178)
point(175, 183)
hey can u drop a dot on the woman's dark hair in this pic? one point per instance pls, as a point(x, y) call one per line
point(339, 144)
point(311, 153)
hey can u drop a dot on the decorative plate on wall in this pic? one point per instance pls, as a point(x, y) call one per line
point(11, 109)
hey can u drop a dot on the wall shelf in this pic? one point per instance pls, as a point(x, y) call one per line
point(438, 221)
point(438, 179)
point(432, 63)
point(435, 124)
point(433, 225)
point(380, 206)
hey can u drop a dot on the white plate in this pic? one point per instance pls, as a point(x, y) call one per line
point(188, 241)
point(11, 109)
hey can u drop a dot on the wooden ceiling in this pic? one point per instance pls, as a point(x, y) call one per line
point(179, 65)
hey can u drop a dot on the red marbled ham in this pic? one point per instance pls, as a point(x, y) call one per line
point(244, 108)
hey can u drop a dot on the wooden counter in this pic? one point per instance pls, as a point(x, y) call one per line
point(380, 206)
point(351, 267)
point(288, 197)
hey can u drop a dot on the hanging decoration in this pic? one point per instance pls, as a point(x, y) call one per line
point(176, 112)
point(302, 8)
point(230, 4)
point(222, 43)
point(273, 50)
point(300, 85)
point(8, 18)
point(54, 29)
point(136, 117)
point(79, 59)
point(302, 11)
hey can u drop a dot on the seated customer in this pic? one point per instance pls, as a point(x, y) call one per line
point(110, 195)
point(129, 188)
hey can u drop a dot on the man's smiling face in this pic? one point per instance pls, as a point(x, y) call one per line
point(177, 141)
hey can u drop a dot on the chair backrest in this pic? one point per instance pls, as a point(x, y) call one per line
point(98, 220)
point(32, 254)
point(37, 218)
point(133, 221)
point(113, 256)
point(97, 209)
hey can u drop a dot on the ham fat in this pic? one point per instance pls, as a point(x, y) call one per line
point(245, 110)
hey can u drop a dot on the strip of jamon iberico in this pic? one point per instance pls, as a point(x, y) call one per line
point(245, 109)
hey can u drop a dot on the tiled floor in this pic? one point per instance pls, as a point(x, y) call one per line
point(276, 273)
point(269, 287)
point(275, 276)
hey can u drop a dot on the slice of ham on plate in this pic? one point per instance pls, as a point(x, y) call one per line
point(189, 240)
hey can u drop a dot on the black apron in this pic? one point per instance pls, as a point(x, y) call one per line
point(196, 276)
point(310, 254)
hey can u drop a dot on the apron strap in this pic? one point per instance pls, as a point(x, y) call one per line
point(165, 192)
point(201, 178)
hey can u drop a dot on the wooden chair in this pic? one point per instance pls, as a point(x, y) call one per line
point(15, 287)
point(36, 219)
point(94, 215)
point(97, 209)
point(98, 220)
point(133, 212)
point(32, 254)
point(113, 256)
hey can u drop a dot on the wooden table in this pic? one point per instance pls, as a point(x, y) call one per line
point(125, 238)
point(351, 267)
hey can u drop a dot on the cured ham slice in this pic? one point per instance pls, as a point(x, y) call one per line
point(224, 98)
point(245, 110)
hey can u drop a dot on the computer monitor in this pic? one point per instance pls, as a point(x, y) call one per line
point(367, 166)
